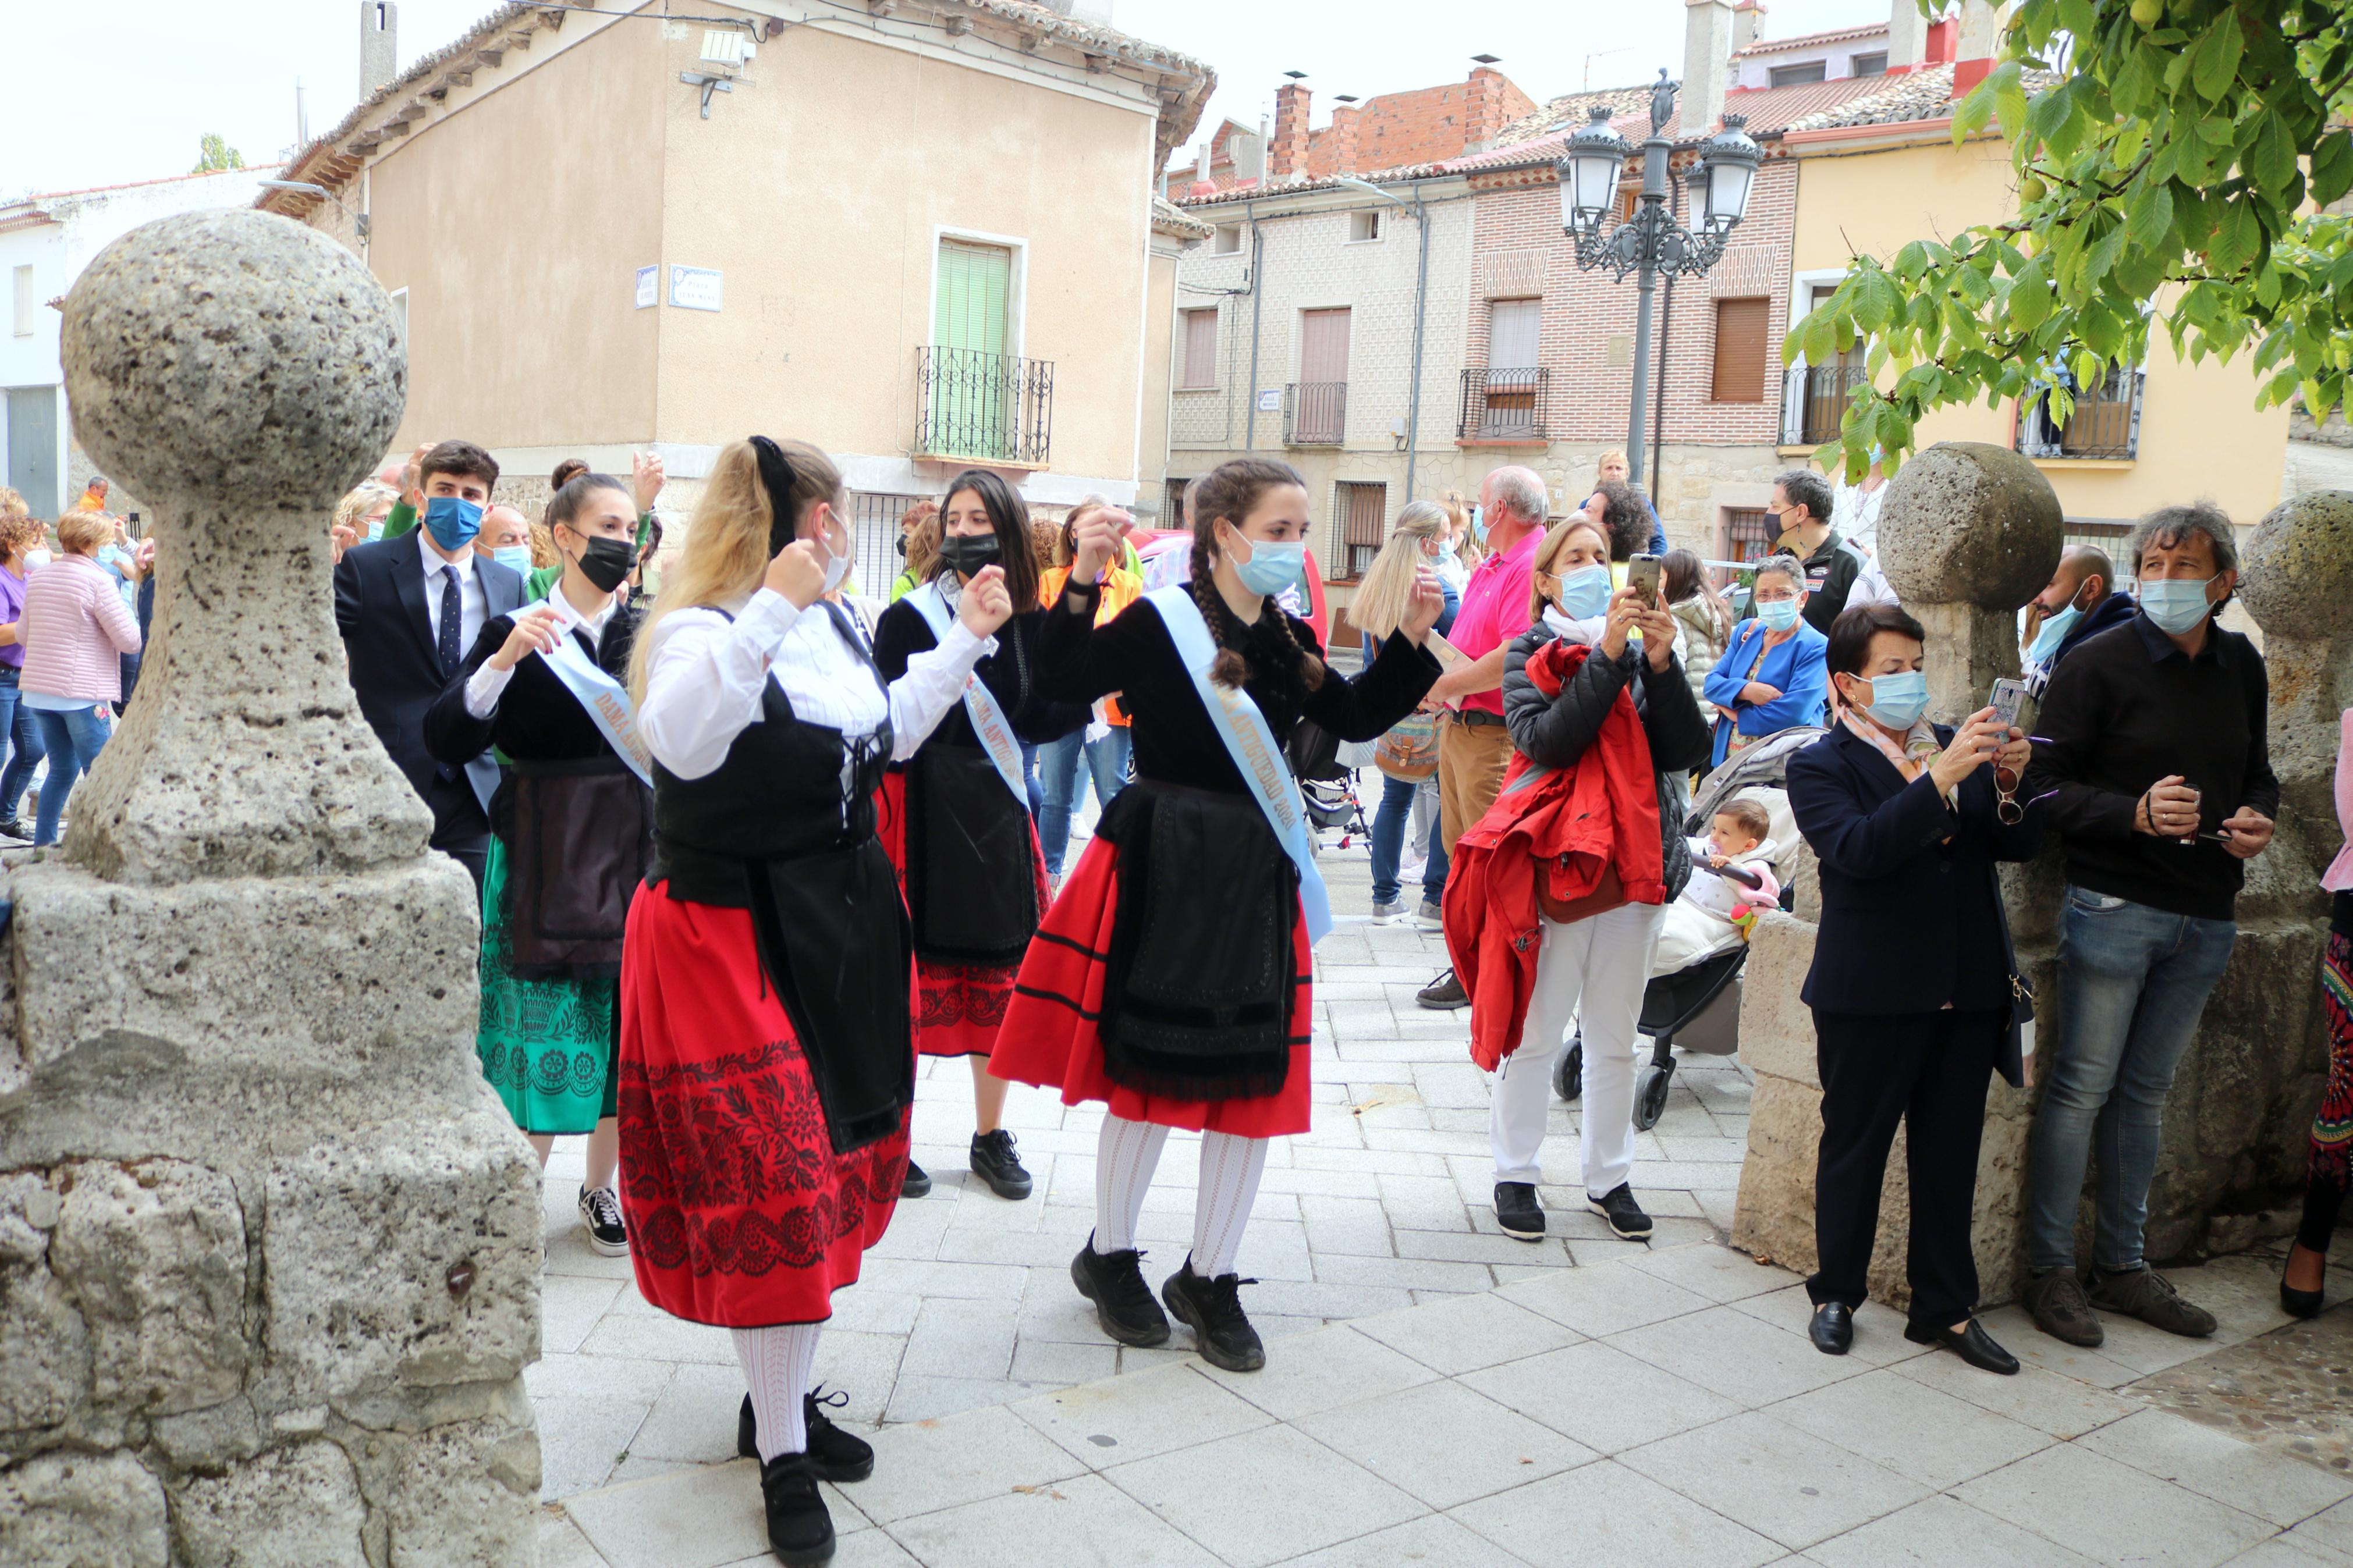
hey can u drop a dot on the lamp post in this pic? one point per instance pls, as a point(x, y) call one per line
point(1650, 242)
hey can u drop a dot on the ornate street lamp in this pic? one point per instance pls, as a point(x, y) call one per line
point(1651, 241)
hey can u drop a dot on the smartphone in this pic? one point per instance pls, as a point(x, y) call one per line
point(1642, 575)
point(2008, 696)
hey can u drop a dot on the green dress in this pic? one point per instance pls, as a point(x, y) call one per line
point(547, 1045)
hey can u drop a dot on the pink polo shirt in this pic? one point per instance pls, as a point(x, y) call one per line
point(1495, 609)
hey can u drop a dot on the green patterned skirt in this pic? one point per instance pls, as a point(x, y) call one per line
point(547, 1045)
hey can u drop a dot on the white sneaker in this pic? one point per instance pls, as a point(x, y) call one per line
point(1388, 913)
point(1411, 870)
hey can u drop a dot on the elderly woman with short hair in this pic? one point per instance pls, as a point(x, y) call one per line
point(1770, 677)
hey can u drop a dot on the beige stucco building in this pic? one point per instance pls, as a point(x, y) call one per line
point(919, 234)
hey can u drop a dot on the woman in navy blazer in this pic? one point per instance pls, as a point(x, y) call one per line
point(1771, 676)
point(1911, 985)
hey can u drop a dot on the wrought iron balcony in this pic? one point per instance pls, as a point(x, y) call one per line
point(1813, 400)
point(983, 407)
point(2105, 422)
point(1504, 405)
point(1315, 412)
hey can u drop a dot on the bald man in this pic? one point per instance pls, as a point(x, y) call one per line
point(505, 538)
point(2079, 603)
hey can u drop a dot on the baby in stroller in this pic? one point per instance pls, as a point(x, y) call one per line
point(1733, 877)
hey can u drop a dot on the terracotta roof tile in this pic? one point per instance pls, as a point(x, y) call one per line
point(1924, 94)
point(1771, 112)
point(1812, 40)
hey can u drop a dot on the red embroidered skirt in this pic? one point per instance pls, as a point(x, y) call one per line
point(958, 1006)
point(1049, 1033)
point(739, 1211)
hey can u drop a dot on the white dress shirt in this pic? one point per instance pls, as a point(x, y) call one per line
point(484, 688)
point(709, 674)
point(472, 608)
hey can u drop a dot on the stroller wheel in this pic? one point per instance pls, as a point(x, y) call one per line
point(1650, 1095)
point(1568, 1073)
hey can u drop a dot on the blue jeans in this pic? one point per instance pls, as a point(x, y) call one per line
point(2132, 982)
point(1058, 771)
point(1029, 778)
point(15, 725)
point(74, 738)
point(1390, 821)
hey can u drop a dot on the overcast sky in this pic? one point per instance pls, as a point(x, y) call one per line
point(124, 91)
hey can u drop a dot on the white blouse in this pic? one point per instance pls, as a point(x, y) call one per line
point(709, 673)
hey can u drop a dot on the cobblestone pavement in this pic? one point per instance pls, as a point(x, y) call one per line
point(968, 1301)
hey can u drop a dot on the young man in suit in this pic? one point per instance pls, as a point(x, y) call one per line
point(409, 606)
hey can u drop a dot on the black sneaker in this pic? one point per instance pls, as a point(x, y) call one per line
point(16, 829)
point(1113, 1281)
point(1517, 1212)
point(993, 1161)
point(2060, 1309)
point(1626, 1218)
point(1213, 1308)
point(600, 1217)
point(1444, 994)
point(838, 1456)
point(914, 1184)
point(800, 1531)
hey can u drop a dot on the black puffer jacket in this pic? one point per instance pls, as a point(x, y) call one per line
point(1554, 732)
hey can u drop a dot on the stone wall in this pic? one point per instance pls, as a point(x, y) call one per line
point(269, 1246)
point(1970, 533)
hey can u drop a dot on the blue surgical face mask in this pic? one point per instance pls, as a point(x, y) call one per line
point(1446, 548)
point(2054, 632)
point(1897, 701)
point(1585, 593)
point(452, 520)
point(1273, 566)
point(1778, 615)
point(1479, 525)
point(2176, 604)
point(515, 557)
point(376, 531)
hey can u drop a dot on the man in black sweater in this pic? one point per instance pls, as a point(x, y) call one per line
point(2154, 751)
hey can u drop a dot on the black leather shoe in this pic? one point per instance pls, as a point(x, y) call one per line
point(800, 1531)
point(916, 1183)
point(838, 1456)
point(1972, 1344)
point(1832, 1329)
point(1113, 1281)
point(993, 1161)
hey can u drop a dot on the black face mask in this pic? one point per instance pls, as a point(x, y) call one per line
point(902, 547)
point(606, 563)
point(966, 554)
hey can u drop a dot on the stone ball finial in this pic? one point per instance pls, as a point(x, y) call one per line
point(2296, 574)
point(1968, 524)
point(231, 354)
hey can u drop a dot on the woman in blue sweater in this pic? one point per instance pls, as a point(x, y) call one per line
point(1772, 677)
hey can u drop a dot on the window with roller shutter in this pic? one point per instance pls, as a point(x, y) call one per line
point(1361, 523)
point(1740, 350)
point(1201, 351)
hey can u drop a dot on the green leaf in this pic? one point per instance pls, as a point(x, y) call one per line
point(2010, 99)
point(2214, 62)
point(2237, 236)
point(2332, 167)
point(1973, 113)
point(2149, 215)
point(2030, 297)
point(2102, 258)
point(2275, 156)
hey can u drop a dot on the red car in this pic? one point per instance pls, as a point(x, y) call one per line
point(1167, 555)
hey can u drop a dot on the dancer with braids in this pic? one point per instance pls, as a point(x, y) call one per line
point(572, 826)
point(1171, 980)
point(767, 1062)
point(955, 815)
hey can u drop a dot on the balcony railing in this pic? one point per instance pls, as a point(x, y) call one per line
point(990, 408)
point(1504, 405)
point(2105, 422)
point(1813, 400)
point(1315, 412)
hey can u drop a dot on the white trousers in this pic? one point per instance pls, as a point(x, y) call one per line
point(1602, 963)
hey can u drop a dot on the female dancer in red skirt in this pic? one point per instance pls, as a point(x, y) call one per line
point(955, 815)
point(766, 1061)
point(1171, 978)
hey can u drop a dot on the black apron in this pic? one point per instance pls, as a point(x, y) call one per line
point(579, 837)
point(971, 874)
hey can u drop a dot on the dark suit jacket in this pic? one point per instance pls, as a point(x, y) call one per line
point(1912, 918)
point(395, 668)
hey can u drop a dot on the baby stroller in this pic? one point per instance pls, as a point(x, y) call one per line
point(1698, 1008)
point(1328, 789)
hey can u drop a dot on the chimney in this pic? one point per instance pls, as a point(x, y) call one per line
point(1747, 21)
point(1973, 55)
point(1344, 139)
point(1908, 36)
point(379, 45)
point(1483, 116)
point(1940, 43)
point(1707, 57)
point(1286, 155)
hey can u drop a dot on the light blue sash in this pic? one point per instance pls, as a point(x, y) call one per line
point(606, 700)
point(980, 704)
point(1250, 741)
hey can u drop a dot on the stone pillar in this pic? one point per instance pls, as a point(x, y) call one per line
point(1970, 533)
point(269, 1246)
